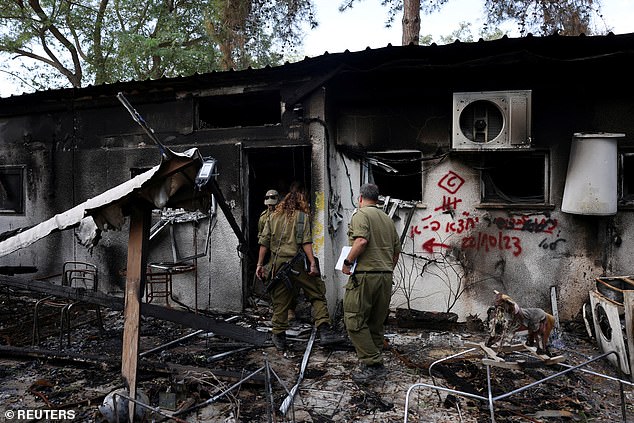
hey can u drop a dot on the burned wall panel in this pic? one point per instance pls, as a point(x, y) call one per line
point(100, 127)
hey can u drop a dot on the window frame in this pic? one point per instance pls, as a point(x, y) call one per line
point(546, 203)
point(18, 170)
point(367, 175)
point(626, 199)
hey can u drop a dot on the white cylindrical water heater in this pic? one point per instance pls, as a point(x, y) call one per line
point(592, 178)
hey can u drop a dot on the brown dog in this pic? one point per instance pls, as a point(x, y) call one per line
point(507, 317)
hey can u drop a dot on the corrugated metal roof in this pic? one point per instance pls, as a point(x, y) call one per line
point(457, 54)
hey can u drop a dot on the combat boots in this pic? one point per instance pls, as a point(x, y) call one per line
point(279, 340)
point(367, 374)
point(327, 336)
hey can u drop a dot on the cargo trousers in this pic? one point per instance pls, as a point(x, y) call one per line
point(284, 299)
point(366, 305)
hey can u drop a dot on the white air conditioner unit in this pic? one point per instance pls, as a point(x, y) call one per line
point(491, 120)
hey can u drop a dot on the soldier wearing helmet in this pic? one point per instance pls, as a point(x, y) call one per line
point(271, 198)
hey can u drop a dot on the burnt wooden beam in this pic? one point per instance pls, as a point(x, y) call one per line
point(14, 270)
point(104, 363)
point(140, 218)
point(80, 360)
point(186, 318)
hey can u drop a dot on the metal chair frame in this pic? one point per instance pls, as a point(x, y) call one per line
point(158, 285)
point(79, 275)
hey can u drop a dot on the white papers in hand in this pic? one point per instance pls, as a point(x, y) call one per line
point(344, 254)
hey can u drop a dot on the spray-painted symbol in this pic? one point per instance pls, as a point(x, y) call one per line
point(451, 182)
point(430, 244)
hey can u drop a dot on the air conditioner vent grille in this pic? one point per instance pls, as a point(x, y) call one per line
point(481, 121)
point(491, 120)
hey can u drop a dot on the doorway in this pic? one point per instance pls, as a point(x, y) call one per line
point(272, 168)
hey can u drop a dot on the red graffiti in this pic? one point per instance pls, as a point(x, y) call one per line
point(451, 182)
point(430, 244)
point(434, 225)
point(461, 225)
point(488, 242)
point(448, 203)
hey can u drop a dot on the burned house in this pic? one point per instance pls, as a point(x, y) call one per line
point(506, 165)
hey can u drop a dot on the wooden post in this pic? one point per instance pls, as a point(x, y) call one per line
point(135, 279)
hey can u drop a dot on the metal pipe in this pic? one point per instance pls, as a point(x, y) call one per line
point(453, 391)
point(289, 398)
point(269, 391)
point(166, 153)
point(490, 394)
point(175, 341)
point(226, 353)
point(530, 385)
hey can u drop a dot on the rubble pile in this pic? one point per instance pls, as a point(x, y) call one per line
point(197, 376)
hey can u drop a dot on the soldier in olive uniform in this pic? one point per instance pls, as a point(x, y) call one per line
point(375, 249)
point(283, 236)
point(271, 198)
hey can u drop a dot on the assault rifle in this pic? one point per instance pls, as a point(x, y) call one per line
point(284, 272)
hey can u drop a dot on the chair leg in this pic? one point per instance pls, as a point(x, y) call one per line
point(99, 320)
point(61, 327)
point(35, 336)
point(65, 325)
point(68, 310)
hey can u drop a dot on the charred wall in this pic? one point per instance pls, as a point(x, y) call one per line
point(457, 242)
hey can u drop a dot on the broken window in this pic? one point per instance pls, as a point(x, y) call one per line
point(246, 109)
point(515, 178)
point(12, 190)
point(398, 174)
point(626, 182)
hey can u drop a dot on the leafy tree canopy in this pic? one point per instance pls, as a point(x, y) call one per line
point(545, 17)
point(79, 42)
point(539, 17)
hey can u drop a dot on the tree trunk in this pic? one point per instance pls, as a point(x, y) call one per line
point(411, 22)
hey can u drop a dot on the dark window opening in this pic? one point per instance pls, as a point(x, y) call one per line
point(515, 178)
point(397, 174)
point(12, 190)
point(627, 178)
point(230, 111)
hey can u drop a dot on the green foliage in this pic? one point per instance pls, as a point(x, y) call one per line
point(464, 33)
point(539, 17)
point(101, 41)
point(395, 7)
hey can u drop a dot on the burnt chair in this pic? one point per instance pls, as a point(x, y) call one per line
point(78, 275)
point(158, 285)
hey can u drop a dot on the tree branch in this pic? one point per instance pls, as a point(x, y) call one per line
point(74, 78)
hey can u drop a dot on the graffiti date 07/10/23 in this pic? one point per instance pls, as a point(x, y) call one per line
point(488, 242)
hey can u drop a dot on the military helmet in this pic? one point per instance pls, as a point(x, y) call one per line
point(271, 197)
